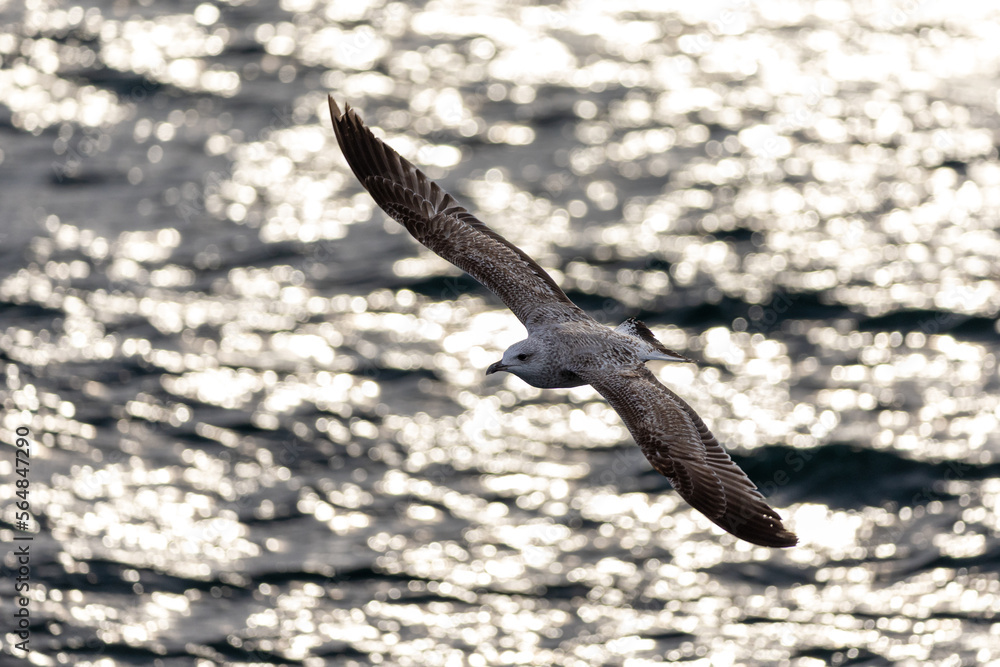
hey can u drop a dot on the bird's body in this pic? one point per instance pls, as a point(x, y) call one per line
point(565, 347)
point(558, 354)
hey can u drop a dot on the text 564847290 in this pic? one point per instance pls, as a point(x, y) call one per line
point(22, 542)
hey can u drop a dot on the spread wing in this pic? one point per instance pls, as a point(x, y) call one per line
point(678, 445)
point(434, 218)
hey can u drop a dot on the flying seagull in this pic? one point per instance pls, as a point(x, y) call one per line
point(565, 347)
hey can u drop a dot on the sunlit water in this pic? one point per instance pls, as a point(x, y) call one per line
point(262, 429)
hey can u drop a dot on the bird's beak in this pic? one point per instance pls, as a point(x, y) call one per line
point(498, 366)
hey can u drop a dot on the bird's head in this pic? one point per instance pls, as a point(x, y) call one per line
point(523, 359)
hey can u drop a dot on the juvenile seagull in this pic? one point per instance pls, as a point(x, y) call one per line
point(565, 347)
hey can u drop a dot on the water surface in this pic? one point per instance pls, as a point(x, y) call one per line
point(262, 430)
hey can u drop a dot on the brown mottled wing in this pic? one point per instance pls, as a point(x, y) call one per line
point(435, 219)
point(678, 445)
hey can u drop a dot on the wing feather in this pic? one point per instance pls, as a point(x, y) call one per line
point(679, 446)
point(437, 220)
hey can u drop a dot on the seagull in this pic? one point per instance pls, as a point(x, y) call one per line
point(566, 347)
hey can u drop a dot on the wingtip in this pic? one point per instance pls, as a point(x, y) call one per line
point(777, 537)
point(785, 539)
point(756, 523)
point(335, 113)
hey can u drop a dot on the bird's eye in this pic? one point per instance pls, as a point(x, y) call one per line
point(522, 356)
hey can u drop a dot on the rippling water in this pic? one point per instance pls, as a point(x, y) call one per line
point(261, 429)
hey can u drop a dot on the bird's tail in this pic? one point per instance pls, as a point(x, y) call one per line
point(656, 350)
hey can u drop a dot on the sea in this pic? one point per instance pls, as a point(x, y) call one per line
point(245, 417)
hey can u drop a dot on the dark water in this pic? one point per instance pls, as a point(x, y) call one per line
point(261, 432)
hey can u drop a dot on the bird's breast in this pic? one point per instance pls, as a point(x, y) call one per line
point(563, 379)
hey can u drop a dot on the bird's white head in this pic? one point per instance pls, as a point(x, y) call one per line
point(523, 359)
